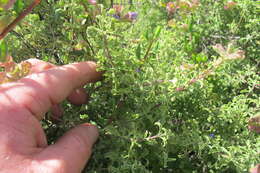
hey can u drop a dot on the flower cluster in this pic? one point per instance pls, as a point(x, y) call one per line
point(117, 12)
point(230, 5)
point(131, 16)
point(183, 5)
point(170, 7)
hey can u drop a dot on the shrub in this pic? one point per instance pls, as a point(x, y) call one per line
point(181, 81)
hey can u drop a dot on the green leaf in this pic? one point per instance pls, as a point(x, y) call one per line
point(146, 35)
point(200, 58)
point(18, 6)
point(4, 21)
point(138, 51)
point(157, 31)
point(3, 50)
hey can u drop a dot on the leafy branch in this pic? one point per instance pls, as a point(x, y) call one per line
point(19, 18)
point(226, 55)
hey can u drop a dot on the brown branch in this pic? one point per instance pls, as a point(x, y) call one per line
point(89, 45)
point(107, 52)
point(19, 18)
point(152, 137)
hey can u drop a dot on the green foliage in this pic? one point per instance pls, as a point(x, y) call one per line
point(3, 50)
point(19, 6)
point(179, 87)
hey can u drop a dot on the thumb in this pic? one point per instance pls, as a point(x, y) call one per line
point(72, 151)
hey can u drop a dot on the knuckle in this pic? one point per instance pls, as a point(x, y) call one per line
point(49, 166)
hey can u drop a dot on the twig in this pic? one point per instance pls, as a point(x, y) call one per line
point(106, 48)
point(19, 18)
point(89, 45)
point(149, 49)
point(107, 52)
point(21, 37)
point(152, 137)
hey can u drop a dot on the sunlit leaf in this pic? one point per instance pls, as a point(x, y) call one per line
point(200, 57)
point(172, 23)
point(3, 51)
point(5, 21)
point(18, 6)
point(157, 31)
point(229, 53)
point(2, 77)
point(25, 68)
point(138, 51)
point(9, 64)
point(15, 74)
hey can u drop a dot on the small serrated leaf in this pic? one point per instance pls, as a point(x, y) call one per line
point(138, 51)
point(146, 35)
point(9, 64)
point(25, 68)
point(157, 31)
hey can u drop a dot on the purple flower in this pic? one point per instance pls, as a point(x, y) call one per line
point(138, 70)
point(131, 15)
point(212, 135)
point(116, 16)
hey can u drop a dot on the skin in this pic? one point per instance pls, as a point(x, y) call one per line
point(23, 104)
point(255, 169)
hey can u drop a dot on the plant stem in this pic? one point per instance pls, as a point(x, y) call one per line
point(19, 18)
point(149, 49)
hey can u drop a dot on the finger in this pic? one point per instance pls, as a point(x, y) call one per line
point(39, 65)
point(72, 151)
point(78, 97)
point(39, 91)
point(56, 112)
point(255, 169)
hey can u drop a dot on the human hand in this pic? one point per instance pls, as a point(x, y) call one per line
point(254, 126)
point(256, 169)
point(23, 104)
